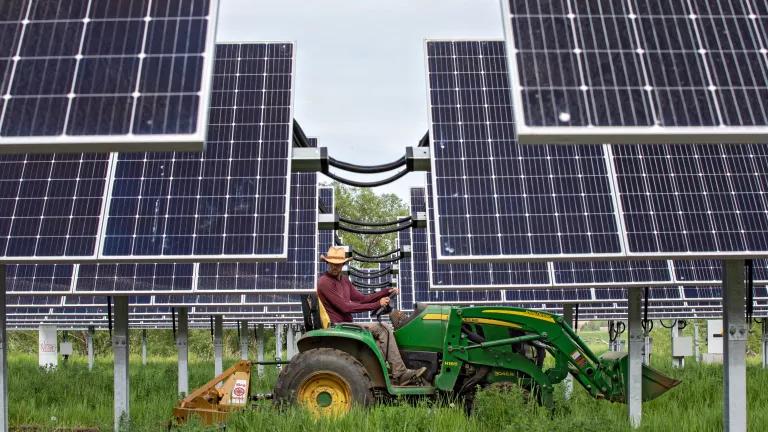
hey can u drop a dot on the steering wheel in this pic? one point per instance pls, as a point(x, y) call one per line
point(383, 310)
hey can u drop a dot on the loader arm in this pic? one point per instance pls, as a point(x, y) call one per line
point(601, 377)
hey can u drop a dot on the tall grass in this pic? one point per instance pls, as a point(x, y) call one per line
point(73, 396)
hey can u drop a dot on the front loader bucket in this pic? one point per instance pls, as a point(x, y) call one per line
point(655, 383)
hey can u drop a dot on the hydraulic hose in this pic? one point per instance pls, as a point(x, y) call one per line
point(384, 255)
point(375, 231)
point(378, 260)
point(373, 169)
point(361, 274)
point(375, 224)
point(348, 182)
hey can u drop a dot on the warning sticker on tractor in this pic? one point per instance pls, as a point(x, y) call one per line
point(239, 392)
point(578, 359)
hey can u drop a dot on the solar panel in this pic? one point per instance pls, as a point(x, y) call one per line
point(297, 273)
point(405, 275)
point(39, 278)
point(325, 200)
point(660, 72)
point(106, 75)
point(229, 201)
point(51, 205)
point(477, 276)
point(693, 200)
point(420, 262)
point(498, 200)
point(105, 279)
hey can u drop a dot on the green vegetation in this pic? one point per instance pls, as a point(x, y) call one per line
point(73, 396)
point(366, 206)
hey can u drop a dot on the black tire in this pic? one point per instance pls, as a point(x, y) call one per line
point(332, 362)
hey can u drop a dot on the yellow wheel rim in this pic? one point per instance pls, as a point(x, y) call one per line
point(325, 394)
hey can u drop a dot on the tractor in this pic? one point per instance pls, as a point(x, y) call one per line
point(463, 348)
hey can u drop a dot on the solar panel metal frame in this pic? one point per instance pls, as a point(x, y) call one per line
point(612, 134)
point(110, 143)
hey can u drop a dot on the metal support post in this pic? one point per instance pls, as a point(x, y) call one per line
point(120, 349)
point(260, 349)
point(218, 345)
point(244, 340)
point(677, 362)
point(144, 347)
point(182, 339)
point(568, 383)
point(696, 352)
point(636, 342)
point(89, 342)
point(279, 342)
point(3, 356)
point(735, 333)
point(289, 342)
point(765, 343)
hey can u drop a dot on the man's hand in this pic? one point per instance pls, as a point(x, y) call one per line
point(394, 291)
point(384, 301)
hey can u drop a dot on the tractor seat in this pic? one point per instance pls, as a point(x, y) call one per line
point(315, 316)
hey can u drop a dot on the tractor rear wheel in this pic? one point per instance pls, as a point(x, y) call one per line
point(326, 381)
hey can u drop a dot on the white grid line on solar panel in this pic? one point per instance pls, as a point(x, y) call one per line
point(87, 75)
point(695, 200)
point(578, 71)
point(496, 199)
point(228, 201)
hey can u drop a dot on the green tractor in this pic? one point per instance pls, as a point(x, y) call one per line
point(463, 348)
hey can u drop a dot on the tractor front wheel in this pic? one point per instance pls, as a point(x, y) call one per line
point(326, 381)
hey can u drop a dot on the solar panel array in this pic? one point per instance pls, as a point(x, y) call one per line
point(105, 75)
point(665, 69)
point(497, 200)
point(228, 202)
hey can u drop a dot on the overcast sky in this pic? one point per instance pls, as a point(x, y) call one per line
point(360, 65)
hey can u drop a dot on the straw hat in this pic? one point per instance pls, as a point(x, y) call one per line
point(336, 255)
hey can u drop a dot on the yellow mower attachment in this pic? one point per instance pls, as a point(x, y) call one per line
point(213, 403)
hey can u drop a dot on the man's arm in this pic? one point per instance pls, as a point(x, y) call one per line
point(373, 297)
point(336, 298)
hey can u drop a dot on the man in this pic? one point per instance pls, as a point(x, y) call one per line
point(341, 300)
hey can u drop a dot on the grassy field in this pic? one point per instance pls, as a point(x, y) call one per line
point(73, 396)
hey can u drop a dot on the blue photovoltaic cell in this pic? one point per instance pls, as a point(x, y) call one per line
point(469, 276)
point(693, 199)
point(405, 276)
point(229, 200)
point(100, 68)
point(496, 199)
point(15, 301)
point(51, 205)
point(325, 202)
point(644, 63)
point(108, 278)
point(611, 272)
point(298, 272)
point(423, 291)
point(711, 270)
point(38, 278)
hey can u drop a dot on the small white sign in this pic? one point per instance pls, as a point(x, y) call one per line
point(48, 355)
point(65, 348)
point(239, 392)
